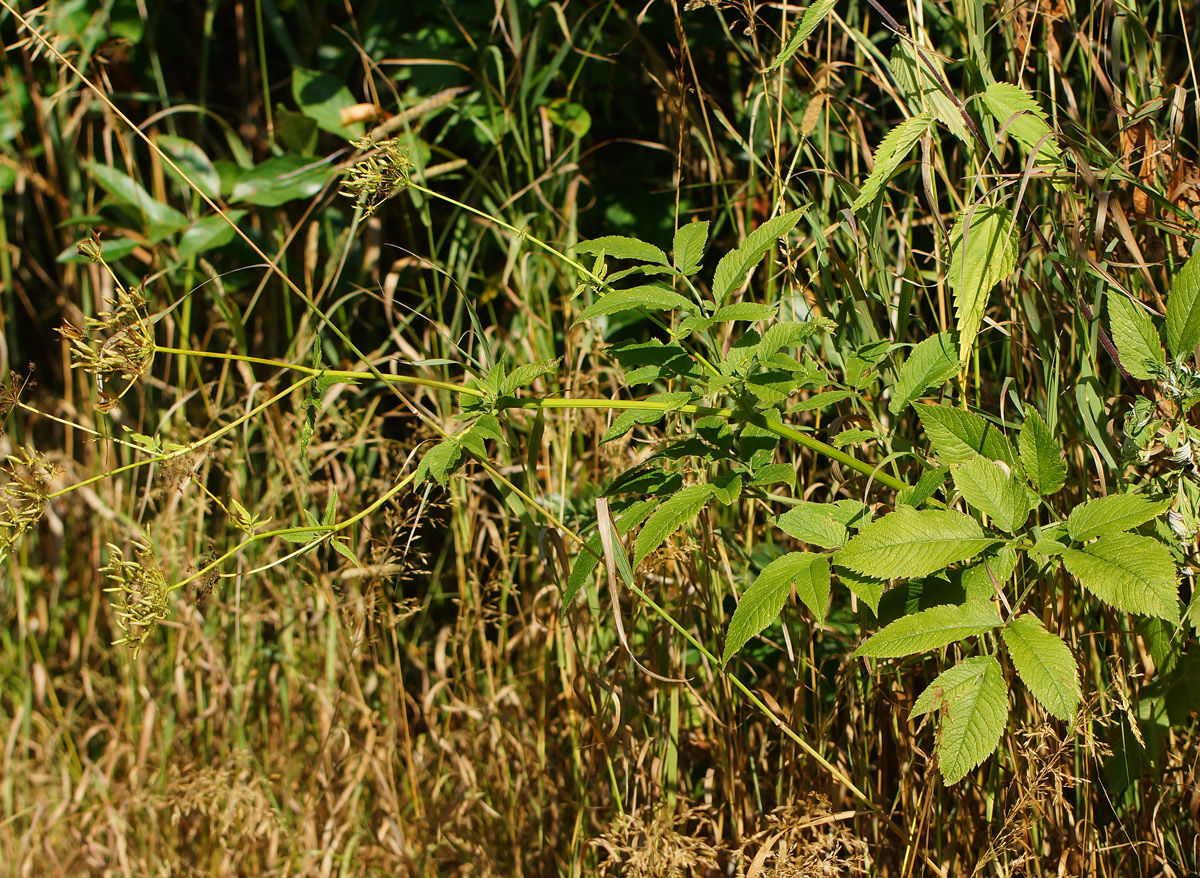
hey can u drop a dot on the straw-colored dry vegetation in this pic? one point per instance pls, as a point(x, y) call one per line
point(354, 522)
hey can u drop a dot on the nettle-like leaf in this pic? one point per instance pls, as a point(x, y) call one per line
point(958, 435)
point(1183, 310)
point(439, 461)
point(815, 524)
point(990, 572)
point(1015, 108)
point(1113, 514)
point(994, 490)
point(627, 420)
point(586, 561)
point(809, 21)
point(736, 264)
point(1046, 664)
point(622, 247)
point(689, 245)
point(983, 252)
point(1136, 337)
point(790, 335)
point(931, 363)
point(669, 517)
point(931, 629)
point(908, 543)
point(727, 488)
point(651, 297)
point(773, 474)
point(1041, 455)
point(645, 362)
point(763, 601)
point(524, 375)
point(1132, 573)
point(890, 153)
point(923, 89)
point(973, 699)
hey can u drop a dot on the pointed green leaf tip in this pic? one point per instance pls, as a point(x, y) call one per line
point(812, 18)
point(1046, 665)
point(736, 264)
point(908, 544)
point(689, 245)
point(682, 507)
point(1135, 336)
point(931, 363)
point(983, 252)
point(1040, 454)
point(931, 629)
point(763, 601)
point(973, 701)
point(1183, 310)
point(892, 150)
point(1132, 573)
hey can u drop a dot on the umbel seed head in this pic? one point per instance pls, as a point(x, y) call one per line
point(382, 172)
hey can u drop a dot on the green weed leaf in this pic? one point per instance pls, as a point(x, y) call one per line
point(524, 375)
point(622, 247)
point(1112, 514)
point(931, 363)
point(669, 517)
point(908, 544)
point(922, 89)
point(689, 245)
point(1041, 455)
point(931, 629)
point(1183, 310)
point(958, 435)
point(586, 561)
point(208, 234)
point(1135, 336)
point(763, 601)
point(1046, 665)
point(809, 21)
point(652, 297)
point(321, 97)
point(736, 264)
point(974, 702)
point(814, 523)
point(439, 461)
point(1027, 124)
point(888, 156)
point(1132, 573)
point(865, 588)
point(927, 485)
point(160, 219)
point(990, 488)
point(983, 252)
point(752, 311)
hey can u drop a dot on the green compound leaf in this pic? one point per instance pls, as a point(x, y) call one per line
point(621, 247)
point(586, 561)
point(736, 264)
point(1027, 124)
point(764, 600)
point(652, 297)
point(1046, 665)
point(1132, 573)
point(809, 21)
point(973, 699)
point(790, 335)
point(752, 311)
point(923, 89)
point(814, 523)
point(889, 154)
point(908, 544)
point(1183, 310)
point(524, 375)
point(958, 435)
point(1135, 336)
point(992, 489)
point(983, 252)
point(689, 245)
point(439, 461)
point(865, 588)
point(1041, 455)
point(1112, 514)
point(669, 517)
point(931, 363)
point(931, 629)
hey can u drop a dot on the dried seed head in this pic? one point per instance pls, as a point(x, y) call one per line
point(23, 495)
point(141, 595)
point(380, 174)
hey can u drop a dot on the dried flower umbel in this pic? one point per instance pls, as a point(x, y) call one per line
point(142, 596)
point(23, 495)
point(117, 346)
point(380, 174)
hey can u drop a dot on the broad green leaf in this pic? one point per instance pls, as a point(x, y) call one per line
point(689, 245)
point(1183, 310)
point(1026, 123)
point(1046, 665)
point(488, 426)
point(160, 219)
point(809, 21)
point(996, 564)
point(524, 375)
point(890, 153)
point(958, 435)
point(973, 699)
point(668, 518)
point(439, 461)
point(992, 489)
point(1132, 573)
point(774, 473)
point(923, 89)
point(907, 544)
point(763, 601)
point(790, 335)
point(744, 311)
point(321, 97)
point(931, 629)
point(867, 589)
point(208, 234)
point(586, 561)
point(652, 297)
point(1135, 336)
point(727, 488)
point(622, 247)
point(931, 363)
point(280, 180)
point(736, 264)
point(343, 549)
point(1040, 454)
point(111, 249)
point(821, 400)
point(192, 160)
point(814, 523)
point(983, 252)
point(1112, 514)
